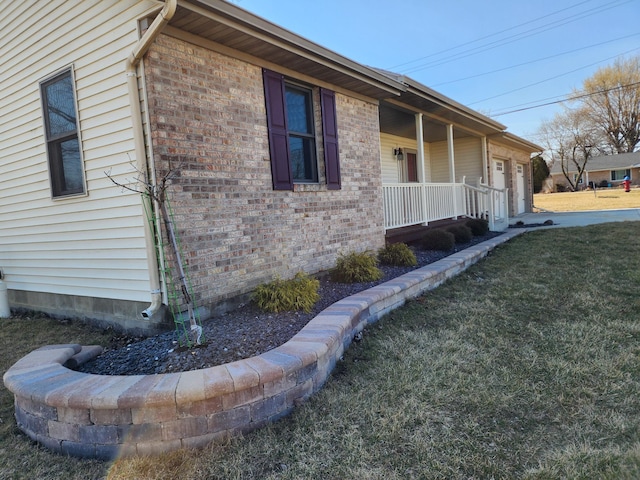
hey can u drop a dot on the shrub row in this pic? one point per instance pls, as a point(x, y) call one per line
point(301, 292)
point(445, 239)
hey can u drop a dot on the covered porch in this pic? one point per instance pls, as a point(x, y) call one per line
point(434, 160)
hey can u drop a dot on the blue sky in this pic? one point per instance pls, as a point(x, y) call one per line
point(493, 56)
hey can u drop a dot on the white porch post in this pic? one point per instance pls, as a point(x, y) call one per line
point(421, 167)
point(450, 154)
point(420, 148)
point(485, 161)
point(452, 166)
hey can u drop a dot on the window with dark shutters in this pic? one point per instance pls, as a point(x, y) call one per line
point(291, 133)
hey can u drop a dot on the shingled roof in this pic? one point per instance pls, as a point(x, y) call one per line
point(606, 162)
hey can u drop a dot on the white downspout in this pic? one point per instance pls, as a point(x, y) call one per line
point(132, 62)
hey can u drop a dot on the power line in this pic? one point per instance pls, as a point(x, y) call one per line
point(551, 78)
point(533, 61)
point(486, 36)
point(519, 36)
point(568, 99)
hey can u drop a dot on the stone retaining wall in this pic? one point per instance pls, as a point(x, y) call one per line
point(105, 417)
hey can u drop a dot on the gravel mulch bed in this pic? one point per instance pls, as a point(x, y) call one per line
point(241, 333)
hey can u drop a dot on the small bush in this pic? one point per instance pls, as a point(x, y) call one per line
point(461, 233)
point(356, 268)
point(478, 226)
point(398, 255)
point(297, 293)
point(438, 239)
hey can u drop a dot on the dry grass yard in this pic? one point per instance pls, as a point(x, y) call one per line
point(601, 199)
point(526, 366)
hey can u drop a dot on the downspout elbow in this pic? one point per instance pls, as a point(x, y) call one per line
point(165, 15)
point(154, 307)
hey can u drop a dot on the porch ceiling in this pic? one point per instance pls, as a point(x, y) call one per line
point(233, 27)
point(432, 103)
point(402, 122)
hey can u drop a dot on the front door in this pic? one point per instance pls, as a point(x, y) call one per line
point(520, 190)
point(412, 167)
point(499, 183)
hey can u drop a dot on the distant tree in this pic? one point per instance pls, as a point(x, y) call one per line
point(610, 101)
point(570, 140)
point(540, 172)
point(602, 119)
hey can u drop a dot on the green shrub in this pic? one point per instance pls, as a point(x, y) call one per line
point(478, 226)
point(398, 255)
point(461, 233)
point(297, 293)
point(356, 268)
point(438, 239)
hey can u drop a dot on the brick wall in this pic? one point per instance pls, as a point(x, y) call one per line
point(208, 124)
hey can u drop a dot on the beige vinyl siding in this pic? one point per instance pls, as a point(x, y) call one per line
point(390, 170)
point(439, 163)
point(467, 156)
point(89, 245)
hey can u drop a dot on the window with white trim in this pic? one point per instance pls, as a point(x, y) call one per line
point(300, 130)
point(66, 168)
point(618, 175)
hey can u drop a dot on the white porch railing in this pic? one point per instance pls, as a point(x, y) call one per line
point(414, 203)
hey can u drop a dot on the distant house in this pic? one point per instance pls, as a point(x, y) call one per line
point(603, 171)
point(278, 155)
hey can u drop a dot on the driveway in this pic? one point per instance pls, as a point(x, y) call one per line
point(578, 219)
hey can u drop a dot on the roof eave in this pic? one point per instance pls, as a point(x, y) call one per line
point(517, 142)
point(426, 92)
point(262, 31)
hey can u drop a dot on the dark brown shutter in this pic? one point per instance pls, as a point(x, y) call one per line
point(330, 138)
point(277, 126)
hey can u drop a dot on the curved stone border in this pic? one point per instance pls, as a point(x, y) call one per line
point(105, 417)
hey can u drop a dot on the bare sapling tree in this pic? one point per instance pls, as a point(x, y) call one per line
point(570, 141)
point(157, 194)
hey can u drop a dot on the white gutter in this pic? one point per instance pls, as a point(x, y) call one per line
point(132, 62)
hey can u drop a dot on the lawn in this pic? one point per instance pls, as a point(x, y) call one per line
point(525, 366)
point(601, 199)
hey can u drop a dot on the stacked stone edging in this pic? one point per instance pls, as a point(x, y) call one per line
point(105, 417)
